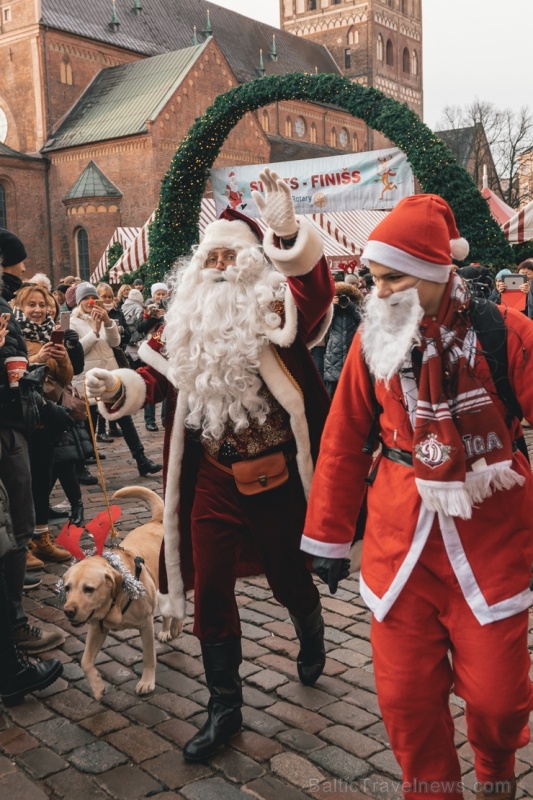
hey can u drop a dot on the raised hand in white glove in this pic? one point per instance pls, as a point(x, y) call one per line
point(101, 383)
point(276, 207)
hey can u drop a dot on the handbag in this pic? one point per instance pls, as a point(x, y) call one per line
point(74, 402)
point(256, 475)
point(52, 389)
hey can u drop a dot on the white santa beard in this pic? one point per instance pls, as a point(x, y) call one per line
point(390, 330)
point(215, 331)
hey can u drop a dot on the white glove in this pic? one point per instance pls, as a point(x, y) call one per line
point(101, 382)
point(276, 207)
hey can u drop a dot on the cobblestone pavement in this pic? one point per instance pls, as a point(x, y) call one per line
point(298, 742)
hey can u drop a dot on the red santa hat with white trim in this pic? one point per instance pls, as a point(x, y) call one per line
point(419, 237)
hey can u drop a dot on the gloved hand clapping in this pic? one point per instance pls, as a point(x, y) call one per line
point(276, 207)
point(100, 383)
point(331, 570)
point(71, 338)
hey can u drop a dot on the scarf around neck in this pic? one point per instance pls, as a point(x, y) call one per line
point(31, 331)
point(462, 448)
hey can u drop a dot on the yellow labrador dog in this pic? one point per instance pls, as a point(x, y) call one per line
point(94, 591)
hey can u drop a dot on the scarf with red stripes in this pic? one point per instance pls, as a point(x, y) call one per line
point(462, 448)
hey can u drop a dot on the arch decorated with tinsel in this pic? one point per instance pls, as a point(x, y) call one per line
point(175, 226)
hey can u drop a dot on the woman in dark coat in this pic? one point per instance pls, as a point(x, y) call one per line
point(346, 320)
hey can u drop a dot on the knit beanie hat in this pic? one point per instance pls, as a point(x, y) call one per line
point(70, 296)
point(419, 237)
point(83, 291)
point(135, 296)
point(12, 250)
point(156, 287)
point(502, 272)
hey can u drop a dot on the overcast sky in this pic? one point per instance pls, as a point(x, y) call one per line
point(472, 49)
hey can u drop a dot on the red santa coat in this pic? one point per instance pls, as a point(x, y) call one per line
point(491, 553)
point(286, 368)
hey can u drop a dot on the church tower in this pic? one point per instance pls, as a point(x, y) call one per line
point(376, 43)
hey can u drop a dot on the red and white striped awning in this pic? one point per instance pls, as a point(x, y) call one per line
point(343, 233)
point(123, 235)
point(135, 255)
point(498, 207)
point(519, 228)
point(350, 229)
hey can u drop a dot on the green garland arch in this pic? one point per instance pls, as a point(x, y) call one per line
point(175, 227)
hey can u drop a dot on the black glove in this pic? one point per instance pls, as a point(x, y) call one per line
point(71, 338)
point(331, 570)
point(55, 418)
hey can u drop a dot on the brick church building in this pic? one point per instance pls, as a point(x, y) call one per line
point(96, 95)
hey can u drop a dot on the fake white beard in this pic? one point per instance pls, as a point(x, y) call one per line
point(215, 330)
point(390, 330)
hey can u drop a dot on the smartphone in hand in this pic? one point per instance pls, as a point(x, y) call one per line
point(57, 337)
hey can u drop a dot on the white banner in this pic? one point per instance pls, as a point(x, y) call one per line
point(378, 179)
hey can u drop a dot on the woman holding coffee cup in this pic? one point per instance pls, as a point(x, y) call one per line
point(45, 346)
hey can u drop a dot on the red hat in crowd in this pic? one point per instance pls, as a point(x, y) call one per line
point(418, 237)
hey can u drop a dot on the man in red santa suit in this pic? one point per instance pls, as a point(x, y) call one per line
point(448, 542)
point(242, 394)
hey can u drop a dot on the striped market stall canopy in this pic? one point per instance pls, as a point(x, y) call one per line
point(519, 228)
point(343, 233)
point(123, 235)
point(135, 256)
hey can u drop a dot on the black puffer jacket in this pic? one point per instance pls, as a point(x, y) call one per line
point(10, 408)
point(342, 330)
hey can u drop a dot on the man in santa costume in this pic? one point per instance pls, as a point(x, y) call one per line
point(448, 541)
point(243, 396)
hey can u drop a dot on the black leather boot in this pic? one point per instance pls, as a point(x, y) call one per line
point(221, 664)
point(19, 677)
point(144, 465)
point(312, 656)
point(76, 514)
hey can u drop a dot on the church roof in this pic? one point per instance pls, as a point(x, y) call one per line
point(10, 153)
point(92, 183)
point(122, 100)
point(291, 150)
point(166, 25)
point(461, 142)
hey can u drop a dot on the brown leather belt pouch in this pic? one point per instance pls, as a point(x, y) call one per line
point(257, 475)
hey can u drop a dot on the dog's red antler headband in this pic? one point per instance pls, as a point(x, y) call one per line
point(99, 527)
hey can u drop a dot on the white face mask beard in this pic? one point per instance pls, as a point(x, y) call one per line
point(390, 330)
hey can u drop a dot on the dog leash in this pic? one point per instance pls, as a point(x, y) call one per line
point(114, 533)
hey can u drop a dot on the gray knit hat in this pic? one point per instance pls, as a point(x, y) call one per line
point(83, 291)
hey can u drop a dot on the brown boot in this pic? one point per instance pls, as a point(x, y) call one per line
point(508, 793)
point(33, 563)
point(43, 546)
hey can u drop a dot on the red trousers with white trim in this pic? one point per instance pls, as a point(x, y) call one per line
point(430, 643)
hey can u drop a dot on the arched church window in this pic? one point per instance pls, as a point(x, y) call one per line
point(379, 48)
point(82, 253)
point(389, 54)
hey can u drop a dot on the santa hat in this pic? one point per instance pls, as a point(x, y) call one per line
point(232, 230)
point(419, 237)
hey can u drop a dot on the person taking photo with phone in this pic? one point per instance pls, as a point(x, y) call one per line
point(99, 334)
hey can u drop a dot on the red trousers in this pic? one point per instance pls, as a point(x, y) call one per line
point(430, 643)
point(223, 521)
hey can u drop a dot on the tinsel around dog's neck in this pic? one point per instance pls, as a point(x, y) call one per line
point(131, 586)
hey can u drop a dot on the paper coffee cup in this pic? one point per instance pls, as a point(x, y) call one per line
point(16, 367)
